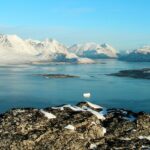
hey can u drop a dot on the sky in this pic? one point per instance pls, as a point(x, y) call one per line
point(124, 24)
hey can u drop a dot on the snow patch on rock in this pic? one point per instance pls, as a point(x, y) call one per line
point(97, 114)
point(70, 127)
point(144, 137)
point(103, 111)
point(104, 130)
point(74, 108)
point(93, 146)
point(94, 105)
point(47, 114)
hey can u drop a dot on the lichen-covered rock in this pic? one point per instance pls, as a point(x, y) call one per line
point(82, 127)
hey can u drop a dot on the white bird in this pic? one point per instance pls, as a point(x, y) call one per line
point(86, 95)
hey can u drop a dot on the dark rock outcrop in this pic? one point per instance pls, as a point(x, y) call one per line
point(138, 73)
point(58, 76)
point(82, 127)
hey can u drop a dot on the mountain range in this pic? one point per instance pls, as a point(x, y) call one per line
point(94, 50)
point(138, 55)
point(14, 49)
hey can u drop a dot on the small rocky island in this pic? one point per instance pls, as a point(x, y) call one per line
point(138, 73)
point(58, 76)
point(86, 126)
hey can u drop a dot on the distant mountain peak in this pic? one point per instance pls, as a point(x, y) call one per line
point(94, 50)
point(50, 40)
point(138, 55)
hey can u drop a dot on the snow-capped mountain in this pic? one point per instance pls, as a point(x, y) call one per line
point(93, 50)
point(13, 49)
point(48, 46)
point(14, 44)
point(141, 54)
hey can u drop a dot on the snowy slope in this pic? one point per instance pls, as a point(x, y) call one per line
point(93, 50)
point(15, 44)
point(13, 49)
point(56, 51)
point(48, 46)
point(141, 54)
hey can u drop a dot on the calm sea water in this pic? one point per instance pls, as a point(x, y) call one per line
point(20, 87)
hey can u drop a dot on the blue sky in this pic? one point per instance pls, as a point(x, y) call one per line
point(125, 24)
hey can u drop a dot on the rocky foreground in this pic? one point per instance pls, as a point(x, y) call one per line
point(81, 127)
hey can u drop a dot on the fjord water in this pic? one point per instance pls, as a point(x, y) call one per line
point(20, 86)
